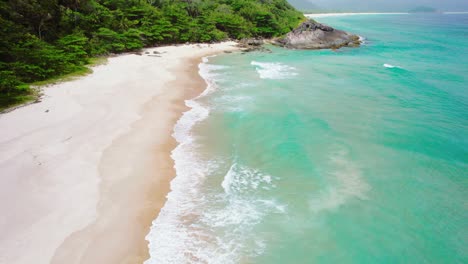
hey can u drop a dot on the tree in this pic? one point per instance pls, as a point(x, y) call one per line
point(39, 16)
point(41, 39)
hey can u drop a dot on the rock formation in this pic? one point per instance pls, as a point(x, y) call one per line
point(252, 44)
point(313, 35)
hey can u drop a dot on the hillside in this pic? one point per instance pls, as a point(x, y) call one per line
point(40, 40)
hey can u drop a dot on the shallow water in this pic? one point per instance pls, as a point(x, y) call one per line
point(350, 156)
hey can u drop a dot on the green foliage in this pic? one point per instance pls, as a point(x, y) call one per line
point(9, 82)
point(74, 46)
point(43, 39)
point(12, 91)
point(106, 40)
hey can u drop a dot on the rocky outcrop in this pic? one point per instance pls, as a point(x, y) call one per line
point(313, 35)
point(252, 44)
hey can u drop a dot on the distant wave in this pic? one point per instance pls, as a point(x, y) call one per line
point(455, 13)
point(390, 66)
point(274, 70)
point(359, 14)
point(349, 14)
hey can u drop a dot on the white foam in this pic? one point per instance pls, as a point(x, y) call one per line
point(169, 239)
point(228, 180)
point(390, 66)
point(274, 70)
point(362, 40)
point(209, 227)
point(241, 179)
point(206, 228)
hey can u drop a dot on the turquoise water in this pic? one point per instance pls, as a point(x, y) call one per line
point(350, 156)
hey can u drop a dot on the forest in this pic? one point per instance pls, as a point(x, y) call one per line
point(44, 39)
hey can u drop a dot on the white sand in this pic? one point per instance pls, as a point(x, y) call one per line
point(77, 170)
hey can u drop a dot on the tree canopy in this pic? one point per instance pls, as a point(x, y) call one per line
point(41, 39)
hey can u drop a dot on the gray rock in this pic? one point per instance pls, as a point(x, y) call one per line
point(313, 35)
point(253, 44)
point(250, 42)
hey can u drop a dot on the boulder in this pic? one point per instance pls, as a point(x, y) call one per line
point(250, 42)
point(313, 35)
point(253, 44)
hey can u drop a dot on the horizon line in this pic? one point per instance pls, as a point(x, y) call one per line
point(377, 13)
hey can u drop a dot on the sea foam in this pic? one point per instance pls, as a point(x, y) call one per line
point(196, 226)
point(240, 179)
point(274, 70)
point(171, 239)
point(390, 66)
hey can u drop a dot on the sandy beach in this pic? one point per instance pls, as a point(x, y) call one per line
point(84, 172)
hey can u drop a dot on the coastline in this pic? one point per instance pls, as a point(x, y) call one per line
point(89, 167)
point(319, 15)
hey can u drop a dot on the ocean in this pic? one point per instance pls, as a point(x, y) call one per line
point(358, 155)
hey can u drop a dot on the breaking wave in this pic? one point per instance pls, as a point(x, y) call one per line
point(274, 70)
point(199, 226)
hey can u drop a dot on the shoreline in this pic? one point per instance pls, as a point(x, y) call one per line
point(88, 183)
point(318, 15)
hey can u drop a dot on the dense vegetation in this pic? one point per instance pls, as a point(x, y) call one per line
point(42, 39)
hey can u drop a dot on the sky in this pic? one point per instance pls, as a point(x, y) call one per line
point(381, 5)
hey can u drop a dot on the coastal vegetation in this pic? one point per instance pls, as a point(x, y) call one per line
point(45, 39)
